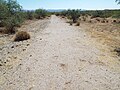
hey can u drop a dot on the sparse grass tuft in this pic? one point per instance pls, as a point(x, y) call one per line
point(21, 35)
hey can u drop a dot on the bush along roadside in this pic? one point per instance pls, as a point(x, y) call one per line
point(12, 15)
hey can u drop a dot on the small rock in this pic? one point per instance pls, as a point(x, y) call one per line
point(28, 44)
point(0, 64)
point(118, 51)
point(16, 45)
point(15, 57)
point(62, 65)
point(40, 38)
point(12, 47)
point(24, 49)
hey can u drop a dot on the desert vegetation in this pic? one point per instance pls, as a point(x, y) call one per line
point(21, 35)
point(12, 15)
point(103, 22)
point(75, 15)
point(60, 49)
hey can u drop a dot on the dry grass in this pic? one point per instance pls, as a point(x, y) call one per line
point(106, 33)
point(21, 35)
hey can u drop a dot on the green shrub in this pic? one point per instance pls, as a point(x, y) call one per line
point(40, 13)
point(10, 14)
point(30, 15)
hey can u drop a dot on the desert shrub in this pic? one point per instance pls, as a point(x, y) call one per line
point(57, 14)
point(74, 15)
point(21, 35)
point(116, 14)
point(10, 14)
point(3, 12)
point(29, 15)
point(71, 14)
point(40, 13)
point(101, 13)
point(10, 25)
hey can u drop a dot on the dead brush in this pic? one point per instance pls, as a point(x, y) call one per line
point(21, 36)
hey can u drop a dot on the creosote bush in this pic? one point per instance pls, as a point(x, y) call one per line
point(21, 35)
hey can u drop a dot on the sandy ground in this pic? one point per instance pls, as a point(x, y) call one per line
point(61, 57)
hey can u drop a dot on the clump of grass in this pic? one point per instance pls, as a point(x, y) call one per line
point(21, 36)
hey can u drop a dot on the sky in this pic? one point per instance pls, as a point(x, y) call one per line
point(69, 4)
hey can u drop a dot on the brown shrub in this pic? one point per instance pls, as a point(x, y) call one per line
point(21, 35)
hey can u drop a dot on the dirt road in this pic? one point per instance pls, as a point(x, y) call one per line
point(64, 57)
